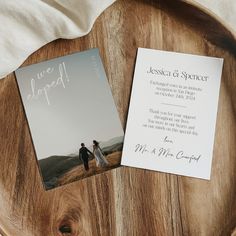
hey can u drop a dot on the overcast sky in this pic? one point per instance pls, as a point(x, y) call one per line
point(62, 118)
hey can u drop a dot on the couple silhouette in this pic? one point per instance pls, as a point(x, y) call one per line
point(97, 153)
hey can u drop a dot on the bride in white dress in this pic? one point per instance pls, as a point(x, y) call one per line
point(99, 157)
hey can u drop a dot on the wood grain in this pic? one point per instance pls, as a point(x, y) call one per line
point(125, 201)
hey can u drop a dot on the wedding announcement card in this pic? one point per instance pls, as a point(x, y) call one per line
point(72, 117)
point(172, 115)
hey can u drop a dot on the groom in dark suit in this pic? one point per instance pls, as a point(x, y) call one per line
point(84, 154)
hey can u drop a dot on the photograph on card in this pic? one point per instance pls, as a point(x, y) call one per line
point(73, 120)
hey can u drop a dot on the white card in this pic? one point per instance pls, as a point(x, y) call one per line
point(172, 115)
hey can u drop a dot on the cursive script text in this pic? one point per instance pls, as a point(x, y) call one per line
point(61, 78)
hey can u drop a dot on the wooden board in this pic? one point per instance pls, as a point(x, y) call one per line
point(125, 201)
point(222, 11)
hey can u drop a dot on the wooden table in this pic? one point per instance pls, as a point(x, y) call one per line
point(125, 201)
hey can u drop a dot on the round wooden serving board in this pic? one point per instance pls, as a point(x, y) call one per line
point(125, 201)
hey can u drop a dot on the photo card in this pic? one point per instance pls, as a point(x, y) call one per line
point(73, 120)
